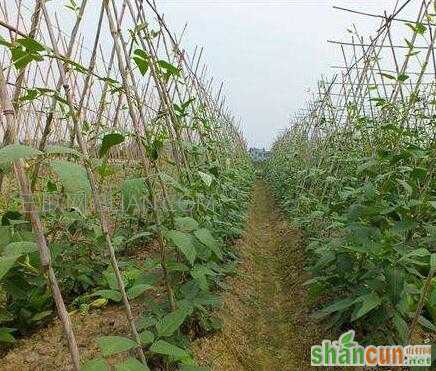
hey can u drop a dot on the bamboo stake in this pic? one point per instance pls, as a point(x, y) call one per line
point(30, 209)
point(94, 188)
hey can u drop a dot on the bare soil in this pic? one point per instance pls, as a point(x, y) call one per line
point(266, 312)
point(47, 349)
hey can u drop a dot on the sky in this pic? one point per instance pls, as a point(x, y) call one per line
point(267, 53)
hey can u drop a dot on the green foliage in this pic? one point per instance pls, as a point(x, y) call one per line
point(6, 263)
point(172, 221)
point(131, 364)
point(167, 69)
point(167, 349)
point(95, 365)
point(134, 195)
point(110, 140)
point(186, 224)
point(61, 150)
point(172, 321)
point(110, 345)
point(28, 301)
point(185, 243)
point(24, 51)
point(72, 176)
point(142, 60)
point(364, 195)
point(6, 335)
point(205, 237)
point(14, 152)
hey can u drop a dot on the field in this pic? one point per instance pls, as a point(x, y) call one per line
point(136, 232)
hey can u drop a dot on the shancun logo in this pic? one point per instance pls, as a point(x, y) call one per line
point(347, 352)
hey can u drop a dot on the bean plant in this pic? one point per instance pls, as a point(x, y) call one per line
point(358, 177)
point(132, 186)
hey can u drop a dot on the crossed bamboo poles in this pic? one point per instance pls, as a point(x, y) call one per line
point(81, 92)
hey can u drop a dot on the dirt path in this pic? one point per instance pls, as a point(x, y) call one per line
point(266, 314)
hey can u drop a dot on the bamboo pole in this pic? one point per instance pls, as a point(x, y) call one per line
point(94, 188)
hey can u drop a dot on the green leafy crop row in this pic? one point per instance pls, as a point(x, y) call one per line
point(207, 214)
point(365, 194)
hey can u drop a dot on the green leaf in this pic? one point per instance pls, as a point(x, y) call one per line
point(113, 295)
point(24, 52)
point(170, 69)
point(111, 280)
point(402, 77)
point(5, 335)
point(31, 94)
point(141, 59)
point(5, 235)
point(206, 298)
point(115, 344)
point(131, 364)
point(186, 224)
point(72, 176)
point(388, 76)
point(174, 183)
point(154, 148)
point(199, 274)
point(433, 262)
point(337, 306)
point(20, 248)
point(134, 194)
point(369, 302)
point(138, 290)
point(206, 238)
point(418, 28)
point(147, 337)
point(6, 263)
point(14, 152)
point(364, 249)
point(31, 44)
point(61, 150)
point(187, 103)
point(173, 266)
point(432, 300)
point(184, 242)
point(20, 58)
point(172, 321)
point(206, 178)
point(110, 140)
point(395, 280)
point(145, 322)
point(401, 327)
point(142, 65)
point(39, 316)
point(141, 53)
point(95, 365)
point(162, 347)
point(421, 252)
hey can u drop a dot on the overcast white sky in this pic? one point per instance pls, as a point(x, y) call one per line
point(268, 53)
